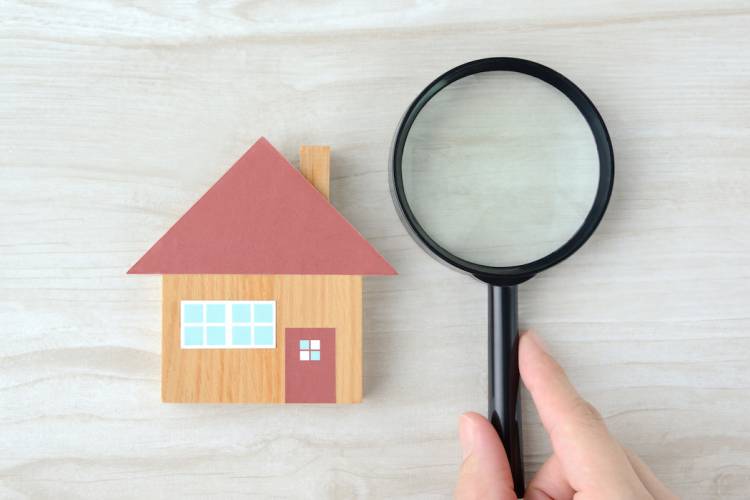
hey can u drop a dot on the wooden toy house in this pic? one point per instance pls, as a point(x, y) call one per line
point(262, 288)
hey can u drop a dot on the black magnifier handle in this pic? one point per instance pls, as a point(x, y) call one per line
point(504, 403)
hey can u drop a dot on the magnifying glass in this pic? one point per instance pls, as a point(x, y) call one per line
point(501, 168)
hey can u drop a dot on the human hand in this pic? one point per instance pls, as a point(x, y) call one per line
point(587, 463)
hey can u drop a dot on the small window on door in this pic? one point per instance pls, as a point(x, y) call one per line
point(309, 350)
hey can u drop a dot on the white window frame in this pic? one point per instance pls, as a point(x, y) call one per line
point(228, 324)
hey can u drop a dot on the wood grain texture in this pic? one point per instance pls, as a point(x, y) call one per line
point(315, 165)
point(116, 116)
point(219, 375)
point(257, 375)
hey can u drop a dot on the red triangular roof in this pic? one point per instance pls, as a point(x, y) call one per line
point(262, 217)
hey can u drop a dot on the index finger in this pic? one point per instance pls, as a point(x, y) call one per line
point(590, 456)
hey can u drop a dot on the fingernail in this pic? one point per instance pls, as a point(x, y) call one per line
point(466, 435)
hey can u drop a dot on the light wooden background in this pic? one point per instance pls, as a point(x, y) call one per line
point(116, 116)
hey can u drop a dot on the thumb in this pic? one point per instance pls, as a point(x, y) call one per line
point(484, 472)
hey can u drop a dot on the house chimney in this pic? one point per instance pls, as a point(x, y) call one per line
point(315, 165)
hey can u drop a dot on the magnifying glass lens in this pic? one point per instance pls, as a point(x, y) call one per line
point(500, 168)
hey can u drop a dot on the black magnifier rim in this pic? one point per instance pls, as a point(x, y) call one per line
point(512, 274)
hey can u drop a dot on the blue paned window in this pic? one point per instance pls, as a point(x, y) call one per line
point(228, 324)
point(263, 312)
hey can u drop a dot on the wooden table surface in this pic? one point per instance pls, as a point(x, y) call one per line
point(116, 116)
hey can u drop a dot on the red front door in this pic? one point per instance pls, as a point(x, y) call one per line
point(310, 358)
